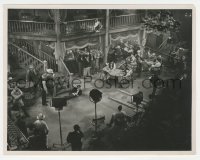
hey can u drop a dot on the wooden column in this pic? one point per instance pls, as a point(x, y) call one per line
point(58, 47)
point(146, 13)
point(106, 36)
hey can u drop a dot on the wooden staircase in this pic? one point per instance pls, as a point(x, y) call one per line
point(40, 54)
point(25, 58)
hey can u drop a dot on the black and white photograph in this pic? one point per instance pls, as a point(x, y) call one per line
point(99, 79)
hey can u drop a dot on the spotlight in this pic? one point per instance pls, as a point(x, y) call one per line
point(95, 96)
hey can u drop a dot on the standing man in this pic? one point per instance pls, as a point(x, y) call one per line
point(41, 130)
point(75, 138)
point(47, 85)
point(139, 65)
point(119, 118)
point(86, 63)
point(32, 76)
point(80, 62)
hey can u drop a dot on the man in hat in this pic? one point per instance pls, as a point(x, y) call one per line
point(42, 130)
point(47, 85)
point(32, 76)
point(75, 138)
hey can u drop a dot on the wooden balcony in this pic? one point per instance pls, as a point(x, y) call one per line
point(80, 26)
point(33, 28)
point(125, 20)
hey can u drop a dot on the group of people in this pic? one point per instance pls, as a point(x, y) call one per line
point(177, 58)
point(84, 62)
point(161, 21)
point(133, 59)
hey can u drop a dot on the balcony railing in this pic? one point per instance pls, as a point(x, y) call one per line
point(86, 25)
point(31, 27)
point(123, 20)
point(71, 27)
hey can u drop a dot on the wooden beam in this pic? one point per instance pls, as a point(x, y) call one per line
point(72, 37)
point(31, 36)
point(130, 94)
point(125, 28)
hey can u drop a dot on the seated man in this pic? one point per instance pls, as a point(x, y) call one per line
point(111, 66)
point(76, 91)
point(155, 68)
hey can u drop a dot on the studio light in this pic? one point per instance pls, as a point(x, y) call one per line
point(95, 96)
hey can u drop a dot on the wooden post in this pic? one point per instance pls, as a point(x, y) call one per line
point(146, 13)
point(45, 65)
point(106, 37)
point(58, 47)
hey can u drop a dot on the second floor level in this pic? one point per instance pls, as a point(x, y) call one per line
point(45, 22)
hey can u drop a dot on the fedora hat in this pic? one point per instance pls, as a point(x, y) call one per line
point(40, 116)
point(50, 71)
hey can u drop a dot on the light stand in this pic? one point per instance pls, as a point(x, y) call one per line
point(58, 103)
point(61, 142)
point(95, 104)
point(95, 96)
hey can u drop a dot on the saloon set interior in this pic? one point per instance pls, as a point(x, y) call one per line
point(119, 86)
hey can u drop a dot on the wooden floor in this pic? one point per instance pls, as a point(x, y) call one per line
point(81, 111)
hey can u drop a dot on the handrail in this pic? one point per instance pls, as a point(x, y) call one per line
point(26, 52)
point(133, 14)
point(49, 56)
point(82, 20)
point(76, 20)
point(29, 21)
